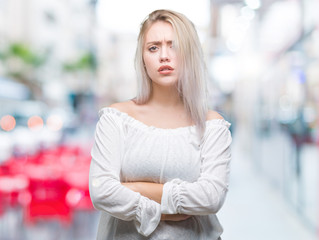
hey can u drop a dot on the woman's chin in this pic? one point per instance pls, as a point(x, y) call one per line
point(169, 83)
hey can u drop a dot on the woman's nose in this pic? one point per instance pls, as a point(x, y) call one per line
point(164, 55)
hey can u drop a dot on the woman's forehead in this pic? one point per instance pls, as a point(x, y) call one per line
point(159, 31)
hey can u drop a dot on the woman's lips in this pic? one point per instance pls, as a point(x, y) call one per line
point(166, 69)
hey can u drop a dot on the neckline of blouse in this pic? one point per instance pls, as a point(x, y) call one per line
point(144, 126)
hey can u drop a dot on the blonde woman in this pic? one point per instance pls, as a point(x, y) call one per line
point(160, 162)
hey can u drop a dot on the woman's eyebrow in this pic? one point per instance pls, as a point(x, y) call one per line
point(157, 43)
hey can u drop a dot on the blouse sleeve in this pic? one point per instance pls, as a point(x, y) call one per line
point(207, 194)
point(106, 191)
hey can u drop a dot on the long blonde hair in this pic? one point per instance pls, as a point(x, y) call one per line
point(192, 80)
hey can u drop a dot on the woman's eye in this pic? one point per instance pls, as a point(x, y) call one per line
point(152, 49)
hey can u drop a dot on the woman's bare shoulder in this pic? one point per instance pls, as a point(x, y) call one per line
point(126, 107)
point(213, 115)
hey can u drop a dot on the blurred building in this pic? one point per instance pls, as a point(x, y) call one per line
point(62, 32)
point(116, 79)
point(265, 57)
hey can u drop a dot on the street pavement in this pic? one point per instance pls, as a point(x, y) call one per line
point(254, 209)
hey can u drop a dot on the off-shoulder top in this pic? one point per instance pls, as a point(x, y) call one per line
point(194, 172)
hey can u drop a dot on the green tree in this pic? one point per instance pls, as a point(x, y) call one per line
point(21, 64)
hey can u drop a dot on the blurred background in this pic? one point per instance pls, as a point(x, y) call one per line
point(61, 61)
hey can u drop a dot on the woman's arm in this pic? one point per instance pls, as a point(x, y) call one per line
point(154, 192)
point(106, 191)
point(150, 190)
point(207, 194)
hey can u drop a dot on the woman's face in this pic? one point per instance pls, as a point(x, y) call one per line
point(159, 54)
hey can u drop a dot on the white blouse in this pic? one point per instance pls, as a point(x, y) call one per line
point(194, 173)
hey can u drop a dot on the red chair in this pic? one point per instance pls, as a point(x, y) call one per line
point(48, 196)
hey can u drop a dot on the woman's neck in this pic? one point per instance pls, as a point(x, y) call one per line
point(165, 97)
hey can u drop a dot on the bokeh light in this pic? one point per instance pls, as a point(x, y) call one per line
point(35, 123)
point(54, 123)
point(8, 123)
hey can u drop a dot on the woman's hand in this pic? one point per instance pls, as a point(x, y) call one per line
point(174, 217)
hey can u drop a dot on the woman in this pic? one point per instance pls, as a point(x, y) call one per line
point(160, 162)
